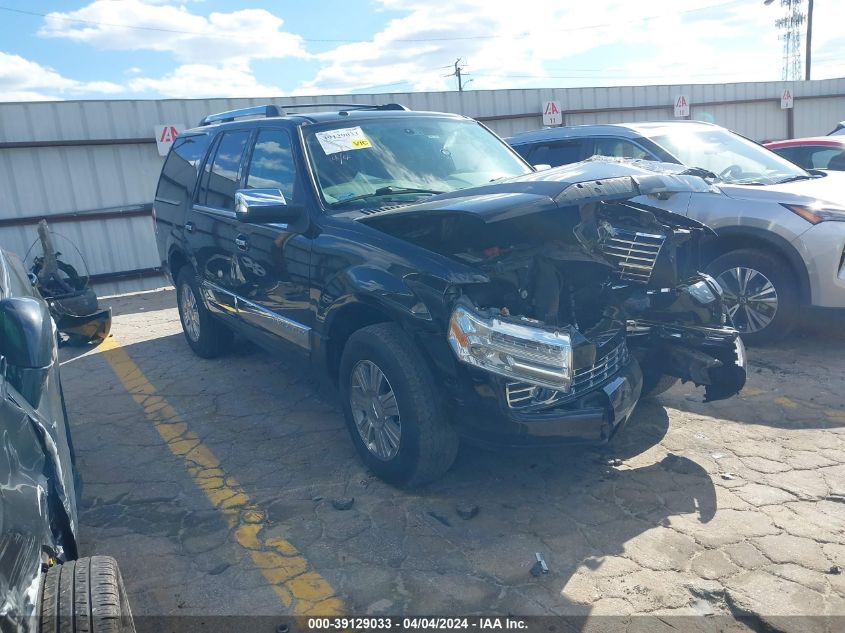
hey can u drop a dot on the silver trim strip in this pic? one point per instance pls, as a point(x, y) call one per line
point(290, 330)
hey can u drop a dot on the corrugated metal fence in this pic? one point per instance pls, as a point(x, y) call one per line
point(91, 167)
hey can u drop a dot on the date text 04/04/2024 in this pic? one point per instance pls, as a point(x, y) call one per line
point(419, 623)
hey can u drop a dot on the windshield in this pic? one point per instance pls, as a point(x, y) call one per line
point(376, 163)
point(731, 157)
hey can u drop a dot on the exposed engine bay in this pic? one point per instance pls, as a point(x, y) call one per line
point(614, 279)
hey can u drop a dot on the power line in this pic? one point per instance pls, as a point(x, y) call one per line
point(54, 16)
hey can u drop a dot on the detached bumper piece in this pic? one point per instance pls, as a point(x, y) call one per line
point(712, 357)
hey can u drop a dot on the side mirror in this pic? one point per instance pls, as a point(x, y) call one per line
point(542, 167)
point(27, 333)
point(266, 206)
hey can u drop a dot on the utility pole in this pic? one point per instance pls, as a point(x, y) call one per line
point(790, 27)
point(809, 39)
point(458, 73)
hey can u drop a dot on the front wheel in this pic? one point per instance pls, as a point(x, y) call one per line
point(391, 407)
point(759, 292)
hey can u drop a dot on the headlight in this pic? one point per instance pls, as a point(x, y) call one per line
point(516, 351)
point(815, 214)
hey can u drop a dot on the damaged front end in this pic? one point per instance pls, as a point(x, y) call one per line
point(587, 300)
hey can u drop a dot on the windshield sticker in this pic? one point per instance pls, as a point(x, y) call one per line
point(344, 140)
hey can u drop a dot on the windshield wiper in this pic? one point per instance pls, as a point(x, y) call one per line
point(700, 172)
point(795, 178)
point(386, 191)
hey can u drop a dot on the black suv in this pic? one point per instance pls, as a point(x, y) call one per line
point(446, 287)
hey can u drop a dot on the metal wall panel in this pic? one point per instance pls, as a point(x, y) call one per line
point(52, 180)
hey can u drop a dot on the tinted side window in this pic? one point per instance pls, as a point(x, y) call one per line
point(827, 158)
point(555, 154)
point(179, 174)
point(620, 148)
point(222, 175)
point(271, 165)
point(797, 155)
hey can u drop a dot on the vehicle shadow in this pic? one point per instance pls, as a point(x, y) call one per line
point(797, 383)
point(287, 445)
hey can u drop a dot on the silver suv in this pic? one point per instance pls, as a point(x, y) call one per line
point(780, 242)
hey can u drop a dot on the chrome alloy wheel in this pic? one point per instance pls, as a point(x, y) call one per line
point(190, 312)
point(374, 410)
point(750, 298)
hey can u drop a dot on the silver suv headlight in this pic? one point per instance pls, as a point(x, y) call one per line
point(508, 349)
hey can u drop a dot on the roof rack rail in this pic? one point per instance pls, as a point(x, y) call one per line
point(231, 115)
point(272, 110)
point(349, 106)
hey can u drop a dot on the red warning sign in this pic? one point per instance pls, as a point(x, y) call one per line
point(552, 114)
point(165, 135)
point(681, 106)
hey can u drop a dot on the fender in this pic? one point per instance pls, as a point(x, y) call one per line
point(779, 244)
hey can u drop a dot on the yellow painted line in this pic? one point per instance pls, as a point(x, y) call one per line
point(298, 586)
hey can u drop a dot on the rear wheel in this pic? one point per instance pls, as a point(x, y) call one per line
point(760, 294)
point(85, 596)
point(206, 336)
point(392, 408)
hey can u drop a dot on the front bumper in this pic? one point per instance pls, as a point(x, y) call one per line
point(822, 248)
point(484, 416)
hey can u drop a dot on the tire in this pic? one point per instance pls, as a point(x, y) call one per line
point(731, 268)
point(84, 596)
point(427, 444)
point(655, 384)
point(207, 336)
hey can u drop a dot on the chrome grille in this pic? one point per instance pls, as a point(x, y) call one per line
point(522, 395)
point(635, 253)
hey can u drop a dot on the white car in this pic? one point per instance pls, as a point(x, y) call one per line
point(781, 229)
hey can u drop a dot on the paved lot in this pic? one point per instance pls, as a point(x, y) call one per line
point(212, 482)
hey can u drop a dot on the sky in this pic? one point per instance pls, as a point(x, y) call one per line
point(154, 49)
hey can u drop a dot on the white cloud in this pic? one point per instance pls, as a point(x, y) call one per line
point(535, 42)
point(25, 80)
point(214, 51)
point(203, 80)
point(193, 39)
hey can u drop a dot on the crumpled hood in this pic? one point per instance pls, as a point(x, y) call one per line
point(829, 188)
point(576, 184)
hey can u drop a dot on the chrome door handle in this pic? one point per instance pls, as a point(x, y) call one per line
point(242, 243)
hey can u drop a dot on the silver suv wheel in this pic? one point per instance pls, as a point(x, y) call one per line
point(750, 297)
point(374, 410)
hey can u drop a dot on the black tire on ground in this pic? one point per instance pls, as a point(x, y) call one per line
point(655, 384)
point(428, 444)
point(84, 596)
point(213, 337)
point(781, 277)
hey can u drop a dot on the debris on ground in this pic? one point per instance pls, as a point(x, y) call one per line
point(728, 476)
point(316, 498)
point(539, 568)
point(343, 503)
point(466, 510)
point(835, 570)
point(440, 518)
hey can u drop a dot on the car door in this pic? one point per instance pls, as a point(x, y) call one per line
point(273, 258)
point(212, 226)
